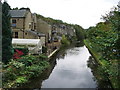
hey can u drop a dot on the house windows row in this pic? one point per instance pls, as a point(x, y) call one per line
point(15, 34)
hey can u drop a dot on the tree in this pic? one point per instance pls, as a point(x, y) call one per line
point(79, 32)
point(113, 17)
point(65, 41)
point(16, 8)
point(7, 50)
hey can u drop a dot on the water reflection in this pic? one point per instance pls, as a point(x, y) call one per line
point(100, 76)
point(71, 71)
point(71, 68)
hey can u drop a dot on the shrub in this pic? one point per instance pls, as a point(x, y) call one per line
point(24, 50)
point(19, 71)
point(21, 80)
point(17, 54)
point(65, 41)
point(28, 60)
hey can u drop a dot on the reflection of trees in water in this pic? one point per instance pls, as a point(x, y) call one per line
point(100, 76)
point(73, 51)
point(79, 44)
point(37, 82)
point(62, 55)
point(69, 50)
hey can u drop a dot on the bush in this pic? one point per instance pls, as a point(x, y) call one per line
point(28, 60)
point(19, 71)
point(24, 50)
point(65, 41)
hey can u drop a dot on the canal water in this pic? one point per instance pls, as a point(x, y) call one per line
point(71, 71)
point(72, 68)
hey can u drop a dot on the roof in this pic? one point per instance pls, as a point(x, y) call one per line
point(36, 33)
point(18, 13)
point(25, 41)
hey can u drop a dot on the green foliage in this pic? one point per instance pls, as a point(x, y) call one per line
point(43, 57)
point(65, 41)
point(104, 40)
point(29, 60)
point(21, 79)
point(20, 71)
point(80, 34)
point(24, 50)
point(50, 20)
point(6, 34)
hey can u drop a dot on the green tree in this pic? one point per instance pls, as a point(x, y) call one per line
point(7, 50)
point(65, 41)
point(113, 17)
point(79, 32)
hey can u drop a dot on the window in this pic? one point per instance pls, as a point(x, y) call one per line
point(13, 21)
point(13, 25)
point(16, 34)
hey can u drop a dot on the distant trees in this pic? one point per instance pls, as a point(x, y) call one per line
point(24, 9)
point(16, 8)
point(80, 34)
point(114, 19)
point(104, 40)
point(65, 41)
point(106, 35)
point(49, 20)
point(7, 50)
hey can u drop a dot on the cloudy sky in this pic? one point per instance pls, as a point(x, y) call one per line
point(85, 13)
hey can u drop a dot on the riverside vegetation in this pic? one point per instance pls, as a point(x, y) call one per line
point(103, 42)
point(20, 71)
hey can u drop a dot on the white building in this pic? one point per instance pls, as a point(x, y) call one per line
point(34, 45)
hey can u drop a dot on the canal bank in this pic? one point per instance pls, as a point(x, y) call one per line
point(102, 63)
point(53, 53)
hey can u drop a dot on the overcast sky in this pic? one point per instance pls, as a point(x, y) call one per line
point(85, 13)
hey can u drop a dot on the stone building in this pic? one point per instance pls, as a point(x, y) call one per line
point(22, 21)
point(44, 28)
point(24, 27)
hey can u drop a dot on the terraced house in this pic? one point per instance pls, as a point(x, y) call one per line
point(24, 25)
point(22, 21)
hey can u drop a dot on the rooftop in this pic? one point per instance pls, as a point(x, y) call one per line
point(36, 33)
point(18, 13)
point(25, 41)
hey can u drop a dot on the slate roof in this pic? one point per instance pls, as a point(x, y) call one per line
point(18, 13)
point(36, 33)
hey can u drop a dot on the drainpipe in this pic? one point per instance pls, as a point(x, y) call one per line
point(23, 27)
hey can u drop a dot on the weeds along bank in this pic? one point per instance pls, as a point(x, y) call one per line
point(103, 42)
point(19, 71)
point(108, 67)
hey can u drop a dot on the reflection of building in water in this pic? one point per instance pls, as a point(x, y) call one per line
point(100, 76)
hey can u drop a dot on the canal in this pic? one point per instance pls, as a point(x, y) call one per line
point(72, 68)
